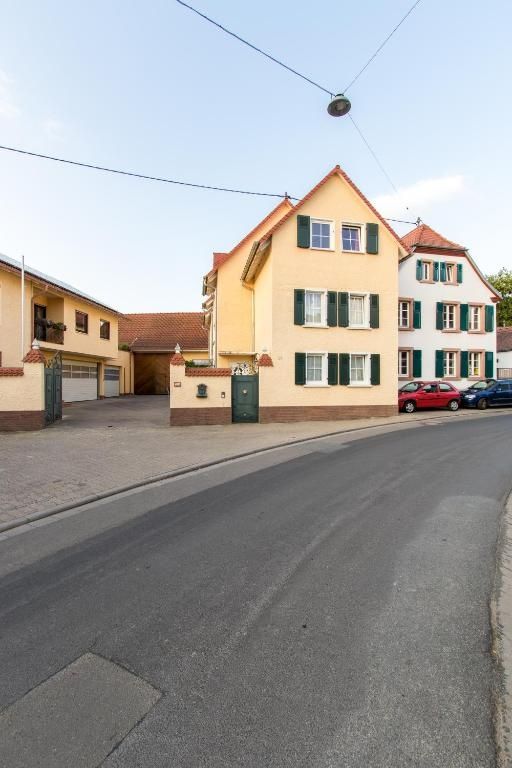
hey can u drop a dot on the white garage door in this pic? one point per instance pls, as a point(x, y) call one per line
point(112, 382)
point(79, 381)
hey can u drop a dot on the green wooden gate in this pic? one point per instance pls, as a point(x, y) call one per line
point(244, 398)
point(53, 389)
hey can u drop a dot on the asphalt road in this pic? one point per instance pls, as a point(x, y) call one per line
point(328, 609)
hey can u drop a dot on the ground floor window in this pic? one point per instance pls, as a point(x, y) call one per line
point(404, 363)
point(359, 369)
point(474, 363)
point(316, 368)
point(450, 364)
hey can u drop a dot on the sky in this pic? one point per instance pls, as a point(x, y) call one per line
point(152, 88)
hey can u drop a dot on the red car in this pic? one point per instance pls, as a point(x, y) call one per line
point(428, 394)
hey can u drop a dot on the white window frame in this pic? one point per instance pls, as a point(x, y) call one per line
point(366, 371)
point(408, 302)
point(407, 353)
point(362, 234)
point(428, 276)
point(315, 220)
point(478, 356)
point(446, 316)
point(323, 382)
point(323, 308)
point(453, 267)
point(472, 307)
point(366, 309)
point(446, 373)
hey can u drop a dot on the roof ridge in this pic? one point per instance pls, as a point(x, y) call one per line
point(422, 229)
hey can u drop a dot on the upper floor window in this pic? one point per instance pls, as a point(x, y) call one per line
point(474, 367)
point(449, 363)
point(404, 362)
point(322, 234)
point(358, 310)
point(351, 237)
point(316, 368)
point(450, 273)
point(315, 308)
point(81, 322)
point(104, 329)
point(404, 314)
point(449, 317)
point(474, 318)
point(359, 369)
point(426, 270)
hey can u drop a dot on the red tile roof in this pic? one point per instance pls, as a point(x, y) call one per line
point(11, 371)
point(336, 171)
point(34, 356)
point(423, 235)
point(504, 339)
point(161, 331)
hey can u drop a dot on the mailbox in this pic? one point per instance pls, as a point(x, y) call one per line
point(201, 390)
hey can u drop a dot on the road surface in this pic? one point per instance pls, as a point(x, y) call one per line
point(325, 605)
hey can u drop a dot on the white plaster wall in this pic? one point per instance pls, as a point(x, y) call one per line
point(428, 338)
point(505, 359)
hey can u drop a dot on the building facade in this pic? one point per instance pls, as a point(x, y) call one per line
point(310, 294)
point(446, 312)
point(66, 323)
point(504, 352)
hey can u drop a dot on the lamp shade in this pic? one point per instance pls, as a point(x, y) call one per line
point(339, 106)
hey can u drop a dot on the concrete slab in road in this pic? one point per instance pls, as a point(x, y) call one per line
point(74, 718)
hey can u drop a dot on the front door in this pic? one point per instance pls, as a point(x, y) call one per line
point(53, 390)
point(244, 398)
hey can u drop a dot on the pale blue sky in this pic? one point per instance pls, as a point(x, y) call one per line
point(150, 87)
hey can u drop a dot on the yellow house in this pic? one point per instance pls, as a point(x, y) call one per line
point(66, 323)
point(309, 296)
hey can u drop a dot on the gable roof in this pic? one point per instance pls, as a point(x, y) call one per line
point(504, 336)
point(336, 171)
point(12, 265)
point(161, 331)
point(423, 235)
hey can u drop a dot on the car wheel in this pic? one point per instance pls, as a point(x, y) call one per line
point(453, 405)
point(410, 406)
point(482, 404)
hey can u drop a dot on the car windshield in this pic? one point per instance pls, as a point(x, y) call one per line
point(483, 384)
point(411, 387)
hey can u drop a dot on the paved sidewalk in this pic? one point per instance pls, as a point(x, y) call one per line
point(104, 445)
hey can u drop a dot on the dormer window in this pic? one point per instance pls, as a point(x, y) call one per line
point(351, 235)
point(322, 234)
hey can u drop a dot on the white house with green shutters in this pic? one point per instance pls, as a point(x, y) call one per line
point(446, 313)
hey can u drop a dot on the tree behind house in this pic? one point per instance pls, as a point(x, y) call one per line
point(502, 281)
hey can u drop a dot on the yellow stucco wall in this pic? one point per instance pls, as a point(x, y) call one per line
point(234, 302)
point(185, 394)
point(60, 308)
point(335, 270)
point(23, 393)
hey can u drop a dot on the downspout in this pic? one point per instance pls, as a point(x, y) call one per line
point(253, 316)
point(22, 307)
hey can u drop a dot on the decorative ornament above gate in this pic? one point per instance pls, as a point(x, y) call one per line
point(243, 369)
point(55, 361)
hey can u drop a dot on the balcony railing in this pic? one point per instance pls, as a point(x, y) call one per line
point(47, 330)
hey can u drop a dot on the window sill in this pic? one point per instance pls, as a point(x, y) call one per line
point(315, 325)
point(451, 330)
point(361, 385)
point(316, 386)
point(359, 327)
point(343, 250)
point(77, 330)
point(318, 248)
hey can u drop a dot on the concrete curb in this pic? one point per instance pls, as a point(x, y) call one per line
point(7, 526)
point(501, 649)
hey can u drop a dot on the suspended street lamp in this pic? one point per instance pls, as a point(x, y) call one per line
point(339, 106)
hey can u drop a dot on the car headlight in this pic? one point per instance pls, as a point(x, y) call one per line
point(469, 397)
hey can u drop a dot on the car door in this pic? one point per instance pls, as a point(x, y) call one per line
point(428, 396)
point(446, 395)
point(501, 393)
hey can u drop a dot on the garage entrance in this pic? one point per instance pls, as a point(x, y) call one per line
point(151, 373)
point(111, 381)
point(79, 381)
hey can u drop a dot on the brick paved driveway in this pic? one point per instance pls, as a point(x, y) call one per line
point(103, 445)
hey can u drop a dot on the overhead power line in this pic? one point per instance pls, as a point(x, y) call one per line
point(144, 176)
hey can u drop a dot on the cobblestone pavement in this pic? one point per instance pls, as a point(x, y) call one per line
point(102, 445)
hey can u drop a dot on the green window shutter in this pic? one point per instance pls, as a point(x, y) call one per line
point(439, 315)
point(464, 365)
point(374, 310)
point(332, 313)
point(464, 315)
point(443, 272)
point(300, 367)
point(459, 273)
point(436, 271)
point(489, 318)
point(343, 310)
point(418, 269)
point(375, 369)
point(416, 363)
point(332, 368)
point(303, 231)
point(416, 315)
point(344, 369)
point(439, 364)
point(489, 365)
point(298, 306)
point(372, 238)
